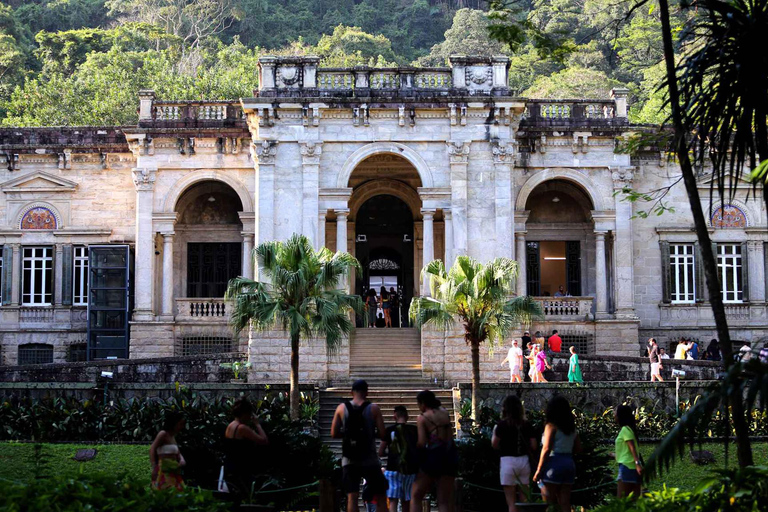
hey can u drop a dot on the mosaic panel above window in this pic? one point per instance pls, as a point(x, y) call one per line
point(729, 216)
point(39, 217)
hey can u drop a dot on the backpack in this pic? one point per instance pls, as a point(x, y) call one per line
point(356, 443)
point(402, 451)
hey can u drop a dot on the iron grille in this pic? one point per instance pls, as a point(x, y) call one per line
point(204, 345)
point(77, 352)
point(35, 353)
point(584, 342)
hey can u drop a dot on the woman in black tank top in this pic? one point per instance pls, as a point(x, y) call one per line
point(240, 447)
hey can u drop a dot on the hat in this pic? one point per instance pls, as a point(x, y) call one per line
point(527, 332)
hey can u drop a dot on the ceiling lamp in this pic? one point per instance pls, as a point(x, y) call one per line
point(555, 199)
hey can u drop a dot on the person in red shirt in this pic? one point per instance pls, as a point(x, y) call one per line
point(555, 343)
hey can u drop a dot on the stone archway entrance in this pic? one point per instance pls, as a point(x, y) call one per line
point(384, 247)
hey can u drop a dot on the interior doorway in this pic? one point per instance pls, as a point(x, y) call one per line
point(553, 268)
point(384, 247)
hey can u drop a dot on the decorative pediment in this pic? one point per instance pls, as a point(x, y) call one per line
point(38, 181)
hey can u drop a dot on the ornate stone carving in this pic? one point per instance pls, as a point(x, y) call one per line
point(622, 177)
point(458, 152)
point(310, 152)
point(264, 152)
point(479, 75)
point(65, 160)
point(144, 179)
point(503, 151)
point(288, 76)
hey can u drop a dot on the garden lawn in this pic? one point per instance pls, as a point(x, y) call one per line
point(685, 475)
point(18, 460)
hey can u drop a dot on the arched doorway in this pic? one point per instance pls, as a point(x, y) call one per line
point(559, 243)
point(384, 247)
point(209, 240)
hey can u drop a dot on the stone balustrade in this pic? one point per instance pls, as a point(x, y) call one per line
point(202, 309)
point(213, 113)
point(566, 308)
point(44, 315)
point(554, 112)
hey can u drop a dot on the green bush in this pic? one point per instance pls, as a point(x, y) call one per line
point(104, 492)
point(740, 490)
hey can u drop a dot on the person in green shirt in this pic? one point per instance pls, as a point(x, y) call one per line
point(574, 370)
point(630, 480)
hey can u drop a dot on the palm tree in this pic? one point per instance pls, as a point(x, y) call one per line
point(719, 112)
point(478, 296)
point(300, 295)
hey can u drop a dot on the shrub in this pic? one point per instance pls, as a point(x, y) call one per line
point(739, 490)
point(105, 492)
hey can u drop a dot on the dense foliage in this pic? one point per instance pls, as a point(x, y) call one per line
point(82, 62)
point(139, 420)
point(105, 492)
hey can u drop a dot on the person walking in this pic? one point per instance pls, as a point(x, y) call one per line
point(713, 351)
point(555, 343)
point(356, 422)
point(385, 306)
point(655, 359)
point(574, 370)
point(164, 454)
point(515, 360)
point(241, 440)
point(402, 460)
point(541, 365)
point(515, 439)
point(630, 481)
point(681, 351)
point(556, 469)
point(538, 339)
point(372, 304)
point(693, 350)
point(526, 339)
point(531, 359)
point(439, 456)
point(394, 309)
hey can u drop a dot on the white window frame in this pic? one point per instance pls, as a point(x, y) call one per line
point(730, 270)
point(35, 259)
point(683, 268)
point(80, 275)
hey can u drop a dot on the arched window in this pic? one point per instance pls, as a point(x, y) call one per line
point(35, 353)
point(729, 216)
point(39, 217)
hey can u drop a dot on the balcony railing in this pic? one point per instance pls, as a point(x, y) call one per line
point(202, 309)
point(557, 112)
point(41, 315)
point(566, 308)
point(213, 113)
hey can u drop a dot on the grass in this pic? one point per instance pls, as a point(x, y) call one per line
point(19, 462)
point(685, 475)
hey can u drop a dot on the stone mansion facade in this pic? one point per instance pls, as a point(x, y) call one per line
point(119, 241)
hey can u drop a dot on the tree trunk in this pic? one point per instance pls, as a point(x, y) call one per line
point(475, 346)
point(735, 398)
point(295, 395)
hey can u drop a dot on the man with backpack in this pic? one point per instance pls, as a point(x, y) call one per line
point(356, 422)
point(402, 463)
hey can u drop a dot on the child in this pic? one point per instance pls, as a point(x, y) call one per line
point(574, 370)
point(402, 463)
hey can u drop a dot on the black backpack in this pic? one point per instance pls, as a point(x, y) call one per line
point(356, 443)
point(402, 450)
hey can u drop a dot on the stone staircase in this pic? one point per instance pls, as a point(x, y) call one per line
point(387, 358)
point(386, 399)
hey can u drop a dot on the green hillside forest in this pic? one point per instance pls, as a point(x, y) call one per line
point(82, 62)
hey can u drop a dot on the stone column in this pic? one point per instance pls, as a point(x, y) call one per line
point(247, 255)
point(601, 303)
point(58, 275)
point(310, 157)
point(448, 219)
point(428, 249)
point(622, 246)
point(522, 276)
point(16, 275)
point(167, 308)
point(144, 180)
point(503, 154)
point(458, 155)
point(320, 242)
point(756, 270)
point(263, 154)
point(341, 238)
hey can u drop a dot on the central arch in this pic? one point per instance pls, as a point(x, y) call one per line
point(575, 177)
point(385, 148)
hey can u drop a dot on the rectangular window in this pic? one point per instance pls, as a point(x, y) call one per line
point(729, 272)
point(80, 277)
point(37, 276)
point(681, 260)
point(2, 274)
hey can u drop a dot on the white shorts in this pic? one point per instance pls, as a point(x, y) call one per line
point(515, 370)
point(515, 470)
point(655, 368)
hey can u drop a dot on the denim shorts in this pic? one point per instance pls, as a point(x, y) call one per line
point(628, 475)
point(559, 469)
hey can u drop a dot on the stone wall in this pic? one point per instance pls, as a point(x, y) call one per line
point(593, 397)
